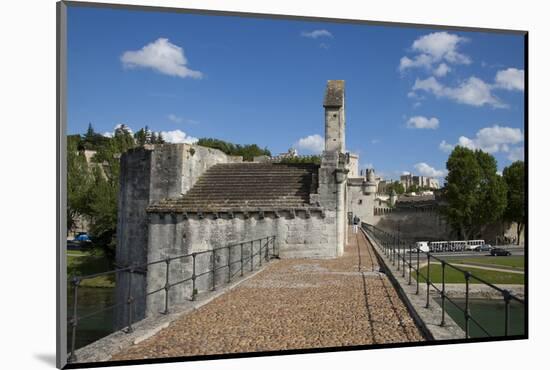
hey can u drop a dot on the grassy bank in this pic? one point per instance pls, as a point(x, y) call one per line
point(453, 276)
point(81, 263)
point(513, 262)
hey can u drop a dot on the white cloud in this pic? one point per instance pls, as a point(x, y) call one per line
point(446, 147)
point(405, 173)
point(375, 141)
point(472, 91)
point(442, 45)
point(421, 60)
point(492, 140)
point(161, 56)
point(434, 48)
point(517, 154)
point(422, 122)
point(312, 144)
point(177, 137)
point(316, 34)
point(172, 117)
point(510, 79)
point(497, 138)
point(426, 170)
point(442, 70)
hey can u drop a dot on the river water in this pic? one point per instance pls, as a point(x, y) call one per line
point(490, 313)
point(94, 327)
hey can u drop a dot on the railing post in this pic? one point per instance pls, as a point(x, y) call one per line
point(467, 308)
point(72, 357)
point(443, 293)
point(260, 252)
point(252, 255)
point(393, 254)
point(129, 301)
point(404, 256)
point(417, 270)
point(213, 269)
point(410, 264)
point(398, 255)
point(229, 263)
point(242, 260)
point(506, 296)
point(193, 279)
point(428, 284)
point(166, 286)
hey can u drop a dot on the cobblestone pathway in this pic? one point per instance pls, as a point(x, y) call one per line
point(292, 304)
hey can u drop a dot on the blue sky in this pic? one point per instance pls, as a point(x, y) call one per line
point(411, 94)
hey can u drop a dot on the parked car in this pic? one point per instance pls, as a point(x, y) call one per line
point(500, 252)
point(483, 248)
point(80, 241)
point(473, 247)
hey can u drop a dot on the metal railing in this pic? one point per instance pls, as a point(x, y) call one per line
point(264, 248)
point(400, 251)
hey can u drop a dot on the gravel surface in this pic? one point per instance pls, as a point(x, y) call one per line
point(292, 304)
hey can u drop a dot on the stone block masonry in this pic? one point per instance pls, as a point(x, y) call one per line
point(149, 174)
point(296, 236)
point(292, 304)
point(180, 199)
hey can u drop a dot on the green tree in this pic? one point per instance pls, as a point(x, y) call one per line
point(413, 189)
point(103, 210)
point(396, 186)
point(475, 194)
point(306, 159)
point(248, 151)
point(79, 182)
point(514, 176)
point(141, 136)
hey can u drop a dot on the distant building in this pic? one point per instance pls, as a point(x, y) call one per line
point(409, 180)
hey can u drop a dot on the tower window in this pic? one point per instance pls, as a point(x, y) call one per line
point(360, 201)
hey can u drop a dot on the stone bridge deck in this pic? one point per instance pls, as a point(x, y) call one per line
point(292, 304)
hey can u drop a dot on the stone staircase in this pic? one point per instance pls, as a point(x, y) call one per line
point(237, 186)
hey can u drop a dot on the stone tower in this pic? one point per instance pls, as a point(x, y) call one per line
point(335, 118)
point(334, 161)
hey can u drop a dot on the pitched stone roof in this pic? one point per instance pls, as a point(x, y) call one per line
point(247, 187)
point(334, 94)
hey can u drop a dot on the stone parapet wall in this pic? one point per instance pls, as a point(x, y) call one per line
point(297, 234)
point(149, 174)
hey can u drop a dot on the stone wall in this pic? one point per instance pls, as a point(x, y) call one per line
point(430, 225)
point(149, 174)
point(360, 203)
point(418, 225)
point(298, 234)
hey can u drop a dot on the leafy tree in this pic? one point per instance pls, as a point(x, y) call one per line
point(92, 140)
point(306, 159)
point(413, 189)
point(141, 136)
point(248, 151)
point(396, 186)
point(491, 193)
point(475, 194)
point(160, 139)
point(79, 182)
point(103, 210)
point(514, 176)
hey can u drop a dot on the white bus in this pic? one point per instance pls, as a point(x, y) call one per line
point(454, 245)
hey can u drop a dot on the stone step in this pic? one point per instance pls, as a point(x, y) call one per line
point(234, 186)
